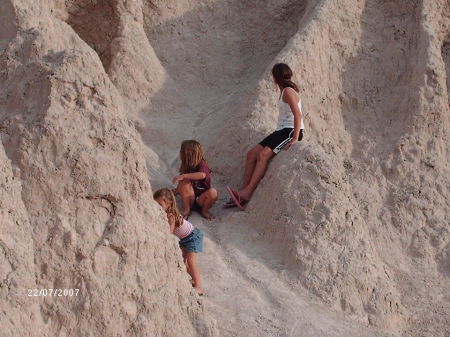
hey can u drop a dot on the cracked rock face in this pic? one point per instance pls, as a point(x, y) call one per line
point(77, 208)
point(360, 209)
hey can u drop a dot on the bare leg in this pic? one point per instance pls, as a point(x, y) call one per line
point(206, 200)
point(194, 271)
point(186, 264)
point(262, 162)
point(187, 196)
point(185, 259)
point(252, 156)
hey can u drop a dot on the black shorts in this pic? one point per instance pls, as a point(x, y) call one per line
point(278, 139)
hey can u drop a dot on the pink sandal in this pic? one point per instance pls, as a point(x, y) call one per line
point(240, 203)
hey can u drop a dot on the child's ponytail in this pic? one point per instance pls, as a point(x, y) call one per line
point(290, 84)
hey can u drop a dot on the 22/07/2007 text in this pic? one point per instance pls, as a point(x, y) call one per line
point(53, 292)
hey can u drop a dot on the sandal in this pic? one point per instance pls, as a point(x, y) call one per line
point(240, 203)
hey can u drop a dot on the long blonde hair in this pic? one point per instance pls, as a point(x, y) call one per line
point(167, 196)
point(191, 154)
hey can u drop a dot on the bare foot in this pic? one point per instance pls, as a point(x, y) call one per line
point(199, 291)
point(244, 197)
point(207, 215)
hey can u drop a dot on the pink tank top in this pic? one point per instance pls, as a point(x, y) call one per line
point(184, 229)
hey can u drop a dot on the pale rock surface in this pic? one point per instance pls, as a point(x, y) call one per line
point(20, 314)
point(347, 235)
point(85, 214)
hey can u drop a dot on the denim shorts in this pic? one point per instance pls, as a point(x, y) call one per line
point(193, 243)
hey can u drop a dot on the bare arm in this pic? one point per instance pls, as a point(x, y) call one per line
point(171, 219)
point(190, 176)
point(290, 97)
point(194, 176)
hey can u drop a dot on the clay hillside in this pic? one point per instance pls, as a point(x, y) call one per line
point(347, 235)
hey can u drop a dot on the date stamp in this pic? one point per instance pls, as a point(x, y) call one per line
point(53, 292)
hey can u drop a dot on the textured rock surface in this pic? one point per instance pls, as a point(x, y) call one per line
point(348, 231)
point(85, 214)
point(20, 314)
point(362, 206)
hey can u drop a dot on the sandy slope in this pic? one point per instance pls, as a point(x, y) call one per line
point(351, 220)
point(347, 222)
point(250, 292)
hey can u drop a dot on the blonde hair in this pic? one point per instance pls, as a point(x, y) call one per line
point(167, 196)
point(191, 155)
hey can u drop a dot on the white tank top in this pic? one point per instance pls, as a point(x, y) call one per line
point(286, 117)
point(184, 229)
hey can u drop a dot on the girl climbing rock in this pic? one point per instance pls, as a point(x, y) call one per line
point(191, 238)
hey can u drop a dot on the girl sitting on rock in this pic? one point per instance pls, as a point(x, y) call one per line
point(288, 132)
point(191, 238)
point(194, 180)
